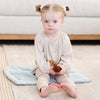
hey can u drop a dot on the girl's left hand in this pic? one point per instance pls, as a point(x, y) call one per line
point(62, 72)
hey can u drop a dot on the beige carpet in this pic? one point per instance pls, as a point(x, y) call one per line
point(6, 92)
point(86, 59)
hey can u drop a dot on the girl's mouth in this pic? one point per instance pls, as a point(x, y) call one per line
point(50, 29)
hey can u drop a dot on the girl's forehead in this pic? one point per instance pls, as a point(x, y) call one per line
point(51, 15)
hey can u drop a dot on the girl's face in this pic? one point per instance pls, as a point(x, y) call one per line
point(52, 21)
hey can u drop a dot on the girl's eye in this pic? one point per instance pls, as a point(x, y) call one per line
point(55, 21)
point(46, 21)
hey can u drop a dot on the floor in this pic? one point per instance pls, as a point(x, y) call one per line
point(86, 59)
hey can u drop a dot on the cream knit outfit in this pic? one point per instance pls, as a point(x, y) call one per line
point(60, 51)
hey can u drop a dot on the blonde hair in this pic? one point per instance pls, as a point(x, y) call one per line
point(52, 7)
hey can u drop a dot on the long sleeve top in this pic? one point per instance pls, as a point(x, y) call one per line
point(59, 51)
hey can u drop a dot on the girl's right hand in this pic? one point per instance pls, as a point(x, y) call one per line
point(52, 72)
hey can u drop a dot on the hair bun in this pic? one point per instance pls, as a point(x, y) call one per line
point(38, 8)
point(67, 8)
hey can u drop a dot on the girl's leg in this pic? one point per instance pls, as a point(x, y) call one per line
point(67, 84)
point(42, 84)
point(42, 79)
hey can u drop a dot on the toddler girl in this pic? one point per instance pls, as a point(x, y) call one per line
point(53, 44)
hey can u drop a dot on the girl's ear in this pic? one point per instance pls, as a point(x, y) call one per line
point(62, 21)
point(41, 19)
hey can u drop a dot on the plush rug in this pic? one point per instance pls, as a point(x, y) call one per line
point(23, 76)
point(86, 60)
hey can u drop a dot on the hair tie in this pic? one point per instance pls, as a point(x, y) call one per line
point(42, 6)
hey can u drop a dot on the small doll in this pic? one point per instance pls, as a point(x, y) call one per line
point(56, 68)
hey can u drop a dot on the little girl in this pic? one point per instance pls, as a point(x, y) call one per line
point(53, 44)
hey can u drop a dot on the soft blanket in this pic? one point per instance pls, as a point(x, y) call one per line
point(23, 75)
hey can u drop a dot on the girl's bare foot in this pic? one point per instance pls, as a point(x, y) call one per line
point(71, 90)
point(45, 91)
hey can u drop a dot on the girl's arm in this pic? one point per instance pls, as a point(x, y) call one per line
point(40, 58)
point(66, 58)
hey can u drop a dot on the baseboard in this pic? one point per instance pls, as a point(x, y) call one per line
point(17, 37)
point(32, 37)
point(84, 37)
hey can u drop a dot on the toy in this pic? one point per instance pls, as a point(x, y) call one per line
point(56, 68)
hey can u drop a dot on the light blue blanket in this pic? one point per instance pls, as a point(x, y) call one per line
point(23, 76)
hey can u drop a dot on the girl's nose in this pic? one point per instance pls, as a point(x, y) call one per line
point(50, 23)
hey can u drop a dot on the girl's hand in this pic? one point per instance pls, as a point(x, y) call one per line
point(62, 72)
point(52, 72)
